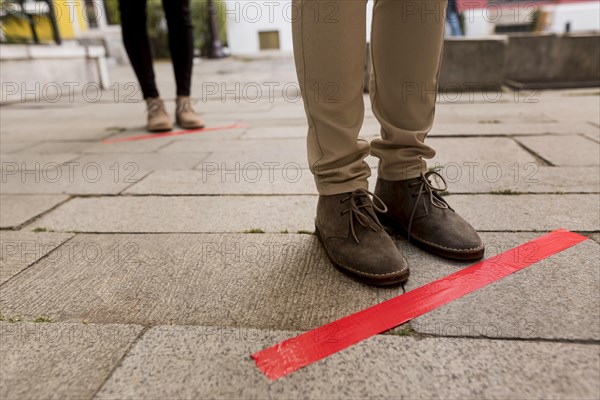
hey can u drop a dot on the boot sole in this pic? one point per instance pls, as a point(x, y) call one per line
point(397, 231)
point(190, 127)
point(161, 129)
point(387, 281)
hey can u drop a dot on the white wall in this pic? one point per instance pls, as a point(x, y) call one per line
point(582, 16)
point(476, 23)
point(245, 19)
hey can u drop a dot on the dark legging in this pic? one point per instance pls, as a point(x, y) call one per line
point(137, 44)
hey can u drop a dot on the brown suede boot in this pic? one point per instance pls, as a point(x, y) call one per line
point(356, 242)
point(416, 209)
point(158, 119)
point(185, 116)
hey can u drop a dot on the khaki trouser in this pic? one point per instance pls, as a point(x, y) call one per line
point(330, 50)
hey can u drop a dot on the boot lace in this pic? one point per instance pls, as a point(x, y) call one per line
point(428, 189)
point(184, 106)
point(155, 107)
point(363, 211)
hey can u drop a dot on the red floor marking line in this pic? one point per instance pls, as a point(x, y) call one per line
point(172, 133)
point(309, 347)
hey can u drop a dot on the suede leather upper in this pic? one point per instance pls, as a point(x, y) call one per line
point(438, 227)
point(374, 255)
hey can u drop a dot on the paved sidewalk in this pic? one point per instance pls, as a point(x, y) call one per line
point(153, 268)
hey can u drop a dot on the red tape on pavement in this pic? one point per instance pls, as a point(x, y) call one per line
point(300, 351)
point(171, 133)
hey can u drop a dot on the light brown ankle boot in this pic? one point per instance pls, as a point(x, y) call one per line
point(158, 119)
point(185, 115)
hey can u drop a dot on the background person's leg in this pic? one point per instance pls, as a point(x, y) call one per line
point(181, 42)
point(406, 46)
point(137, 44)
point(329, 48)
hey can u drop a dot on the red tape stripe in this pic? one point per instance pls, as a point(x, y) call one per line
point(300, 351)
point(172, 133)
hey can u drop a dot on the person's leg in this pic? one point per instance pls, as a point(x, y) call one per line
point(453, 18)
point(329, 48)
point(181, 45)
point(407, 43)
point(181, 42)
point(137, 45)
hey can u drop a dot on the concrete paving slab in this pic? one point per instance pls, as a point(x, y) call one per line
point(189, 279)
point(529, 212)
point(248, 180)
point(18, 250)
point(285, 152)
point(227, 154)
point(277, 213)
point(85, 123)
point(59, 361)
point(572, 106)
point(283, 132)
point(95, 173)
point(484, 153)
point(200, 362)
point(509, 129)
point(269, 146)
point(94, 147)
point(564, 150)
point(286, 282)
point(74, 179)
point(224, 132)
point(484, 114)
point(132, 165)
point(207, 104)
point(552, 299)
point(268, 123)
point(184, 214)
point(371, 128)
point(593, 133)
point(34, 161)
point(59, 129)
point(16, 210)
point(7, 147)
point(520, 178)
point(462, 179)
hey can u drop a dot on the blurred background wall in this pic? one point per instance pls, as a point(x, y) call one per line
point(490, 43)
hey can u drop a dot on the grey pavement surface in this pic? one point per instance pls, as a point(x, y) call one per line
point(59, 361)
point(20, 249)
point(16, 210)
point(202, 362)
point(285, 282)
point(137, 269)
point(486, 212)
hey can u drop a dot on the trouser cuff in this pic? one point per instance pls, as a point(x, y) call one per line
point(329, 189)
point(403, 171)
